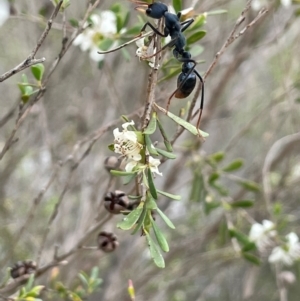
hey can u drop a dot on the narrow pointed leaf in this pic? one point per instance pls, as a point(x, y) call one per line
point(119, 173)
point(150, 148)
point(249, 185)
point(241, 237)
point(130, 220)
point(251, 258)
point(150, 129)
point(140, 220)
point(234, 165)
point(167, 143)
point(151, 185)
point(165, 219)
point(196, 37)
point(160, 237)
point(192, 129)
point(242, 204)
point(155, 253)
point(169, 195)
point(150, 202)
point(166, 154)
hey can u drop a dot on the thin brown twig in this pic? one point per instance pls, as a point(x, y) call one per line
point(30, 60)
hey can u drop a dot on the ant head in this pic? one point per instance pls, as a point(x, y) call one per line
point(155, 10)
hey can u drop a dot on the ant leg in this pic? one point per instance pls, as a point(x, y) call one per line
point(169, 100)
point(186, 24)
point(125, 44)
point(202, 100)
point(154, 29)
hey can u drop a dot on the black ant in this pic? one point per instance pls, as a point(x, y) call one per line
point(186, 80)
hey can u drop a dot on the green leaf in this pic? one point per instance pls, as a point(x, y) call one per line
point(213, 177)
point(249, 247)
point(177, 4)
point(242, 204)
point(192, 129)
point(196, 50)
point(151, 184)
point(166, 154)
point(217, 157)
point(140, 220)
point(38, 71)
point(150, 202)
point(251, 258)
point(249, 185)
point(152, 150)
point(167, 143)
point(83, 279)
point(105, 44)
point(127, 179)
point(150, 129)
point(241, 237)
point(199, 22)
point(130, 220)
point(160, 237)
point(234, 165)
point(119, 22)
point(196, 37)
point(95, 273)
point(119, 173)
point(30, 282)
point(210, 206)
point(155, 253)
point(35, 291)
point(169, 195)
point(165, 219)
point(74, 23)
point(74, 296)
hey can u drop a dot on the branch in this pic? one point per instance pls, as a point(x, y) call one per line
point(30, 60)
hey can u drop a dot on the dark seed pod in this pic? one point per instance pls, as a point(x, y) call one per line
point(115, 202)
point(23, 267)
point(111, 163)
point(107, 242)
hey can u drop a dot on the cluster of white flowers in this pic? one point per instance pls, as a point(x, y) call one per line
point(104, 25)
point(258, 4)
point(263, 235)
point(288, 253)
point(126, 143)
point(4, 11)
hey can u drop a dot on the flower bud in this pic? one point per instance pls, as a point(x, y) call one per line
point(111, 163)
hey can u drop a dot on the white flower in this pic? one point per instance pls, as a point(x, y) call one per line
point(261, 234)
point(103, 26)
point(153, 164)
point(288, 253)
point(126, 143)
point(286, 3)
point(144, 51)
point(4, 11)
